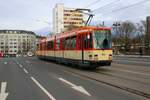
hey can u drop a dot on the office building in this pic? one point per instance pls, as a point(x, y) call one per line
point(64, 18)
point(14, 42)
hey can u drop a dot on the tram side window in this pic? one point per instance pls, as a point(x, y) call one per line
point(79, 42)
point(73, 42)
point(91, 41)
point(88, 41)
point(58, 44)
point(63, 43)
point(39, 46)
point(67, 41)
point(50, 45)
point(43, 46)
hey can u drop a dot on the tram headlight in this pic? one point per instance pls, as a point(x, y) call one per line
point(110, 56)
point(95, 57)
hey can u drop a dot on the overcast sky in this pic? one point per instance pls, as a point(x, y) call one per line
point(36, 15)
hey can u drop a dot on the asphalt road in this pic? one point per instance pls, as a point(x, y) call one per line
point(132, 60)
point(33, 79)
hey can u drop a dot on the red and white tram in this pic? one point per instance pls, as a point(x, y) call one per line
point(87, 47)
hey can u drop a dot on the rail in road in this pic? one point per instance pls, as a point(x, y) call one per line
point(120, 76)
point(131, 59)
point(126, 77)
point(130, 84)
point(130, 78)
point(50, 81)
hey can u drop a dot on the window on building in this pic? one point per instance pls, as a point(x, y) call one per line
point(2, 47)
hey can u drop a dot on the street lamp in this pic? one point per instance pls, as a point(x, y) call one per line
point(141, 38)
point(116, 25)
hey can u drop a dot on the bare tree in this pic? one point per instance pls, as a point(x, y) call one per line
point(144, 24)
point(124, 33)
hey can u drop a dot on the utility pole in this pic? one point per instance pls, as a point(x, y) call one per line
point(115, 26)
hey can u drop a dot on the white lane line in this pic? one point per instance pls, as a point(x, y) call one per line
point(73, 85)
point(42, 88)
point(131, 72)
point(25, 71)
point(77, 88)
point(3, 94)
point(20, 65)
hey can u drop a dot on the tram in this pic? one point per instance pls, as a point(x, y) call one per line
point(88, 47)
point(1, 54)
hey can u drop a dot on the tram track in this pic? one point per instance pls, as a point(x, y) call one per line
point(103, 76)
point(109, 83)
point(113, 73)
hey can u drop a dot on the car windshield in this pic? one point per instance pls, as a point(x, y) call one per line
point(102, 39)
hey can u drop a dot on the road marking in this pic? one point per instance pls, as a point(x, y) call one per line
point(78, 88)
point(5, 63)
point(20, 65)
point(25, 71)
point(42, 88)
point(131, 72)
point(3, 94)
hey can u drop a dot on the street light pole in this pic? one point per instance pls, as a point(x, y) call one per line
point(116, 25)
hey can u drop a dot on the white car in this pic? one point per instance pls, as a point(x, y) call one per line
point(30, 54)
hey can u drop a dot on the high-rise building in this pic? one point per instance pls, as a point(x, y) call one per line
point(14, 42)
point(65, 18)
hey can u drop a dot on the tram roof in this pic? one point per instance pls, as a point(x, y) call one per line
point(75, 32)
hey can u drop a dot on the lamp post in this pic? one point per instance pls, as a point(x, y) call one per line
point(116, 25)
point(141, 38)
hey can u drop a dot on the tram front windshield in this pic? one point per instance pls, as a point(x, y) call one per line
point(102, 39)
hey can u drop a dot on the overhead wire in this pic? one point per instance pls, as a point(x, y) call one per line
point(126, 7)
point(100, 8)
point(93, 3)
point(118, 9)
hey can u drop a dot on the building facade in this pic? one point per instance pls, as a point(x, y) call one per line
point(65, 18)
point(14, 42)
